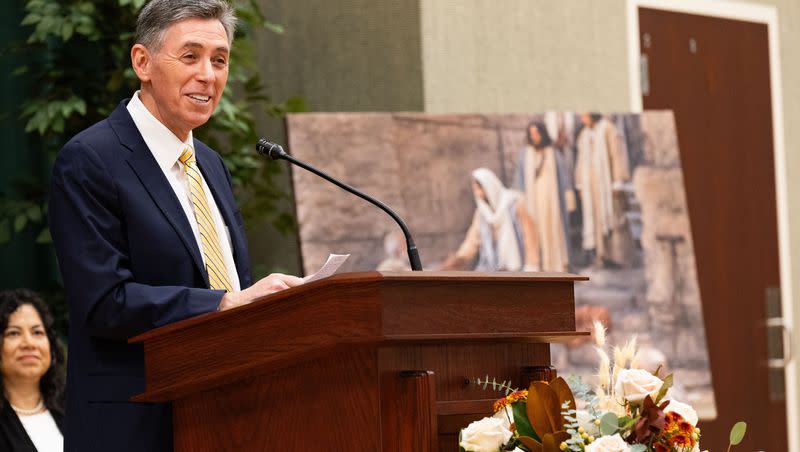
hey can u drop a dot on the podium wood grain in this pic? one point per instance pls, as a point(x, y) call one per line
point(324, 366)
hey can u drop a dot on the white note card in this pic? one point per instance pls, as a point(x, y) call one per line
point(329, 268)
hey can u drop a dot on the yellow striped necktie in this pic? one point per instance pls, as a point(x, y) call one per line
point(218, 276)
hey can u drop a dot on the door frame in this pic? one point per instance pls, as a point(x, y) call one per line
point(761, 14)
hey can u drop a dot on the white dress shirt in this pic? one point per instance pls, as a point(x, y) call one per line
point(166, 148)
point(43, 432)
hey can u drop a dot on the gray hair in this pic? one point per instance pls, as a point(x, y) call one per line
point(158, 15)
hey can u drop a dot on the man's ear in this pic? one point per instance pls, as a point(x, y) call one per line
point(141, 60)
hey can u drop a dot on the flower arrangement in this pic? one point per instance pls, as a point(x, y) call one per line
point(628, 410)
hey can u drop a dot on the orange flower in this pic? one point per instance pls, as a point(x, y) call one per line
point(677, 434)
point(658, 447)
point(686, 428)
point(673, 417)
point(515, 396)
point(682, 441)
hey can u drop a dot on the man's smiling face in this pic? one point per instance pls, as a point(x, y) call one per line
point(183, 80)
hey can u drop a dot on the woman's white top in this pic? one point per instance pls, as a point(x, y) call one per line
point(43, 431)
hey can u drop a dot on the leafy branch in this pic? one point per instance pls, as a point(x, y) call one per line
point(503, 386)
point(76, 58)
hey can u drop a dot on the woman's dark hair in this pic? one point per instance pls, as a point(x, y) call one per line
point(52, 382)
point(545, 136)
point(595, 117)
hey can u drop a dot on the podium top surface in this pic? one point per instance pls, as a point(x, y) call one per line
point(425, 279)
point(373, 309)
point(459, 275)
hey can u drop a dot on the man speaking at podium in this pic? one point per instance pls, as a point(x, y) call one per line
point(145, 226)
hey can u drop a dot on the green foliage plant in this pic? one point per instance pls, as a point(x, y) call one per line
point(77, 61)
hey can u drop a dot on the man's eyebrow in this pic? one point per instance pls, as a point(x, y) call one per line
point(196, 45)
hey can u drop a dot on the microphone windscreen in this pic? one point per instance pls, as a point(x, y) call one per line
point(269, 149)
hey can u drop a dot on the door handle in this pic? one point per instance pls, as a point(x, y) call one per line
point(786, 336)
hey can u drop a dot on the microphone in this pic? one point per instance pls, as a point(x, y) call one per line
point(276, 152)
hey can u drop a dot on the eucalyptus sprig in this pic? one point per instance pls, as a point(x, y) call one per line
point(502, 386)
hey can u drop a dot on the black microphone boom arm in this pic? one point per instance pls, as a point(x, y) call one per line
point(276, 152)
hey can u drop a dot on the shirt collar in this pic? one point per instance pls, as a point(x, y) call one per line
point(163, 144)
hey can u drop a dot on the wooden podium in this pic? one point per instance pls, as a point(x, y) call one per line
point(356, 362)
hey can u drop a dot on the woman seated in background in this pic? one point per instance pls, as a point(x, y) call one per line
point(502, 235)
point(31, 412)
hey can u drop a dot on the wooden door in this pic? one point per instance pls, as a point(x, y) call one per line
point(714, 74)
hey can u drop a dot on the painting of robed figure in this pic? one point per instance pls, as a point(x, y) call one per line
point(596, 194)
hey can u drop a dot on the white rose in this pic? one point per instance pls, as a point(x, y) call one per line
point(686, 411)
point(485, 435)
point(635, 384)
point(612, 443)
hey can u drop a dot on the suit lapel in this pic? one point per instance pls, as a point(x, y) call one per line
point(152, 178)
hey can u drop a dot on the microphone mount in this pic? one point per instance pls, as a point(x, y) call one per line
point(276, 152)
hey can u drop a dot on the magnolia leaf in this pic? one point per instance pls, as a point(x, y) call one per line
point(737, 433)
point(524, 427)
point(551, 442)
point(664, 388)
point(609, 424)
point(564, 393)
point(543, 409)
point(530, 443)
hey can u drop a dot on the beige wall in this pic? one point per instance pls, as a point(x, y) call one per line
point(443, 56)
point(339, 55)
point(345, 55)
point(523, 55)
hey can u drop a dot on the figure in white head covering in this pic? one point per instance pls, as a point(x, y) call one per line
point(502, 236)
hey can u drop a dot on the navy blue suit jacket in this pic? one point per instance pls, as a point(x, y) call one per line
point(130, 263)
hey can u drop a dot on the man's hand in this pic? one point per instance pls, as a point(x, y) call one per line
point(265, 286)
